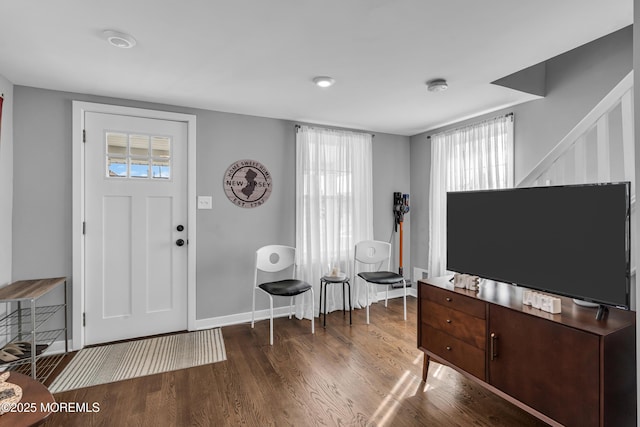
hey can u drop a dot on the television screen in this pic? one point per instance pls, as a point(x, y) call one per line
point(569, 240)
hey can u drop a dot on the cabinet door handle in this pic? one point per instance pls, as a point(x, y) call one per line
point(448, 320)
point(448, 299)
point(448, 348)
point(494, 346)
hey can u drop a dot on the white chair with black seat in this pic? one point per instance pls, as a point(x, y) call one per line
point(378, 254)
point(272, 259)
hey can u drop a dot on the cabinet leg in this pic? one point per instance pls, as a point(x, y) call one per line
point(425, 367)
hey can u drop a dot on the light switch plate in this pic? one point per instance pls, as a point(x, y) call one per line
point(205, 202)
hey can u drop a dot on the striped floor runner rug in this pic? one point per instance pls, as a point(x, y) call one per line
point(117, 362)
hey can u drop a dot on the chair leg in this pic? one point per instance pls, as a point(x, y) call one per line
point(366, 288)
point(404, 282)
point(324, 321)
point(253, 308)
point(313, 316)
point(271, 320)
point(290, 307)
point(320, 306)
point(386, 298)
point(350, 306)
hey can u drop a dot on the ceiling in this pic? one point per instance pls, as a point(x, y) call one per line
point(258, 57)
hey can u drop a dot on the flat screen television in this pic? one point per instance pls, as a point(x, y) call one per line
point(569, 240)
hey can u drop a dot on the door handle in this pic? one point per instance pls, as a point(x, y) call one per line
point(494, 346)
point(180, 242)
point(180, 227)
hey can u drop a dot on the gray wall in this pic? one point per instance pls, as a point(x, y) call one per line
point(576, 81)
point(420, 181)
point(391, 156)
point(227, 235)
point(6, 180)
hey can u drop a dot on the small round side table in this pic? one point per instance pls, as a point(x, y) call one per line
point(36, 399)
point(326, 280)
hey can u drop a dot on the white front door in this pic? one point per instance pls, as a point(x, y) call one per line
point(135, 227)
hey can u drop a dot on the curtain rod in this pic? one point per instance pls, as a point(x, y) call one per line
point(373, 135)
point(472, 124)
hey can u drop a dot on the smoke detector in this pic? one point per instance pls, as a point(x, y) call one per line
point(117, 39)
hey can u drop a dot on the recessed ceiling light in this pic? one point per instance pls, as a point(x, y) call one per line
point(117, 39)
point(437, 85)
point(323, 81)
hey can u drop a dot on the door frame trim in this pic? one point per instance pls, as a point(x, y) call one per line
point(79, 108)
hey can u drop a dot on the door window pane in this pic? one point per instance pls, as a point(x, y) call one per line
point(116, 167)
point(139, 145)
point(139, 168)
point(161, 169)
point(116, 143)
point(160, 147)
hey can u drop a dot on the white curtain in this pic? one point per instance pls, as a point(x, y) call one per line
point(476, 157)
point(334, 203)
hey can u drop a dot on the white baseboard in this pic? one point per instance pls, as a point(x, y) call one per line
point(398, 292)
point(57, 347)
point(236, 319)
point(419, 274)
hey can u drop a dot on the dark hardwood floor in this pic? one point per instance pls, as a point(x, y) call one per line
point(343, 375)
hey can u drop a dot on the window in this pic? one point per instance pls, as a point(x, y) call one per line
point(334, 199)
point(138, 156)
point(476, 157)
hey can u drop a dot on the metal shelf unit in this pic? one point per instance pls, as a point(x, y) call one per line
point(29, 323)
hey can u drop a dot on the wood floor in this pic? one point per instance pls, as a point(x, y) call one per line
point(343, 375)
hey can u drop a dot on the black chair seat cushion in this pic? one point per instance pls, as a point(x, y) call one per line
point(381, 277)
point(286, 288)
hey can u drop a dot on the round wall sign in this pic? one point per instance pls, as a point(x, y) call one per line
point(247, 183)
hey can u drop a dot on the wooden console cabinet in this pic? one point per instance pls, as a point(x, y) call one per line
point(567, 369)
